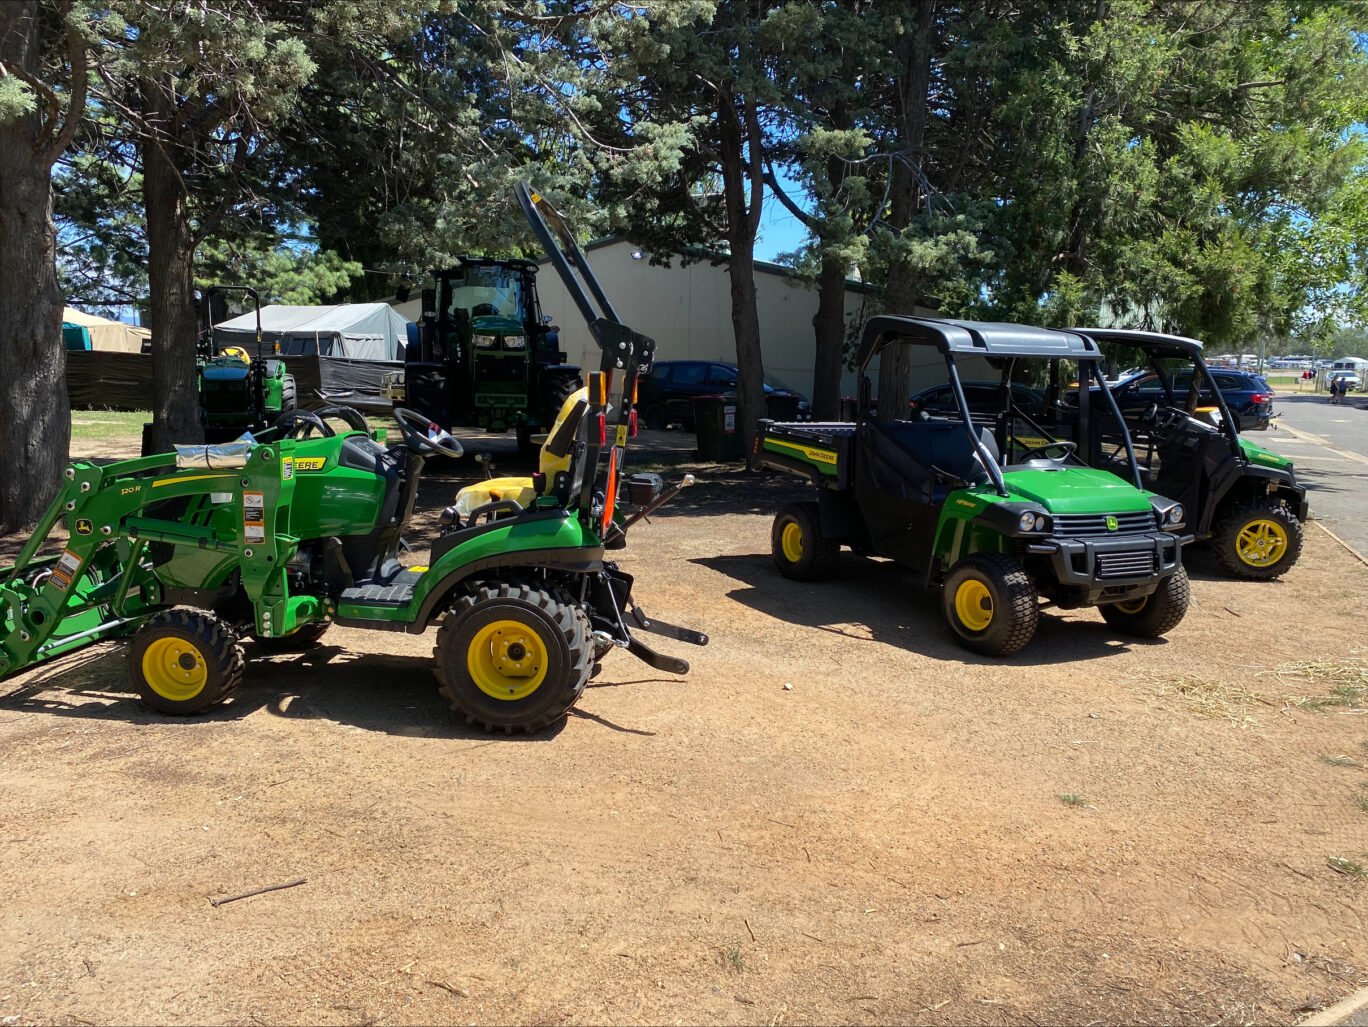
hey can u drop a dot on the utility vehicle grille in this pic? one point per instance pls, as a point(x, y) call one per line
point(1077, 525)
point(1125, 565)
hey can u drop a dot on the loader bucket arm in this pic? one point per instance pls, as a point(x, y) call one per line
point(626, 354)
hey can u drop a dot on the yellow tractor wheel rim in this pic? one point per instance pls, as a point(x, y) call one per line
point(174, 669)
point(1134, 606)
point(974, 605)
point(507, 660)
point(792, 542)
point(1261, 542)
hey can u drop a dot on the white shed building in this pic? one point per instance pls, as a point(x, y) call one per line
point(687, 310)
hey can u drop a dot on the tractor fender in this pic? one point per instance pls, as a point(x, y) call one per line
point(575, 560)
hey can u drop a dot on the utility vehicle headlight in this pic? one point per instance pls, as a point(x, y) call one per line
point(485, 341)
point(1175, 514)
point(1028, 521)
point(514, 342)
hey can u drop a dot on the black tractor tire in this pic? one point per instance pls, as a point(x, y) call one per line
point(184, 661)
point(1257, 539)
point(799, 549)
point(556, 388)
point(146, 448)
point(297, 641)
point(288, 394)
point(489, 657)
point(991, 604)
point(1157, 613)
point(653, 416)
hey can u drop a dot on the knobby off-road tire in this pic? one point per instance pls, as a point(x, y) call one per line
point(1157, 613)
point(296, 641)
point(799, 549)
point(513, 658)
point(991, 604)
point(1257, 539)
point(184, 661)
point(288, 393)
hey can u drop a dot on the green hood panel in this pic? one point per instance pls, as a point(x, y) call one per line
point(496, 324)
point(1076, 490)
point(1256, 454)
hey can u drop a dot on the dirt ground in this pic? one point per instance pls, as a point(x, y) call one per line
point(885, 842)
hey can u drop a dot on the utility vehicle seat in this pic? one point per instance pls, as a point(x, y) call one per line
point(944, 445)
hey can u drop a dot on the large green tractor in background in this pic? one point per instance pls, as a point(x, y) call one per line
point(487, 358)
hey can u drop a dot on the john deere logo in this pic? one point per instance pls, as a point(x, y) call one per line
point(1112, 524)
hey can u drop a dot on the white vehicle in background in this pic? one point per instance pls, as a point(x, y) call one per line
point(1352, 382)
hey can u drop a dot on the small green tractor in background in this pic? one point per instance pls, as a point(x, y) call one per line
point(487, 357)
point(280, 537)
point(238, 391)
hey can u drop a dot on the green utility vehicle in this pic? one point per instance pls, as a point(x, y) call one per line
point(488, 357)
point(280, 538)
point(994, 533)
point(1241, 497)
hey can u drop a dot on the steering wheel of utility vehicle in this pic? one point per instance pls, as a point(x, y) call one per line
point(415, 428)
point(297, 424)
point(353, 417)
point(1064, 448)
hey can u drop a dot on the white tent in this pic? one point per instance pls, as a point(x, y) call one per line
point(106, 334)
point(360, 331)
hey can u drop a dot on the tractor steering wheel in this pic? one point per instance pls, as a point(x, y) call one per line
point(1065, 447)
point(417, 430)
point(354, 418)
point(297, 424)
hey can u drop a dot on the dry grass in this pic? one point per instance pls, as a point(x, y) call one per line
point(1310, 685)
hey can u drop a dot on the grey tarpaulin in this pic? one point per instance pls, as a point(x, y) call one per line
point(357, 331)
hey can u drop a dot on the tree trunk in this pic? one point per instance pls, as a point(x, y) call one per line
point(740, 170)
point(830, 326)
point(35, 417)
point(903, 288)
point(171, 289)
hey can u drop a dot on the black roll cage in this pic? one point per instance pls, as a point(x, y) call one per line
point(997, 340)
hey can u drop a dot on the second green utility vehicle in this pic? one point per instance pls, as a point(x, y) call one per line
point(994, 534)
point(1241, 497)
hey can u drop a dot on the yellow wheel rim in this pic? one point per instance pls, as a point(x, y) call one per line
point(174, 669)
point(507, 660)
point(1261, 543)
point(1134, 606)
point(791, 540)
point(974, 605)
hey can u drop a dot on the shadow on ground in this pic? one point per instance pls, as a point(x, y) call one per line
point(380, 692)
point(878, 601)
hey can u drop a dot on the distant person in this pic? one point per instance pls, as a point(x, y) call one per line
point(1336, 390)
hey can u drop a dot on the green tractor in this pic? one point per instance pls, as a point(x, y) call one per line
point(239, 391)
point(996, 513)
point(280, 537)
point(487, 357)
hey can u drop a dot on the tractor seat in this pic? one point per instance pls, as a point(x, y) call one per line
point(554, 458)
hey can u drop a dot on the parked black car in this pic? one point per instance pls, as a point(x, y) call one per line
point(1248, 395)
point(666, 396)
point(939, 401)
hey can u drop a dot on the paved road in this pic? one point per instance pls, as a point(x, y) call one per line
point(1329, 446)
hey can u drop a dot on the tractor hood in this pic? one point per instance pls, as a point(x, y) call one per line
point(1076, 490)
point(496, 324)
point(227, 370)
point(1256, 454)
